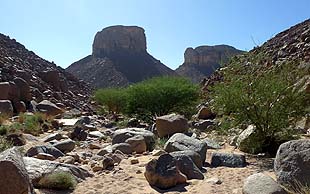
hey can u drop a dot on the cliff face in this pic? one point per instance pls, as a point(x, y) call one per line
point(22, 70)
point(202, 61)
point(119, 58)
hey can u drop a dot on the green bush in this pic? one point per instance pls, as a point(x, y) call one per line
point(58, 181)
point(4, 144)
point(114, 99)
point(162, 95)
point(266, 96)
point(3, 130)
point(153, 97)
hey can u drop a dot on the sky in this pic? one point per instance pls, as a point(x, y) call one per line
point(63, 30)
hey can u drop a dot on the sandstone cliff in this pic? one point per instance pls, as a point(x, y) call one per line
point(119, 58)
point(202, 61)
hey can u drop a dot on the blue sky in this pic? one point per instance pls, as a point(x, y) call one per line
point(63, 30)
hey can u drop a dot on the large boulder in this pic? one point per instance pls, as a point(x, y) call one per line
point(48, 108)
point(228, 160)
point(182, 142)
point(292, 163)
point(37, 169)
point(5, 90)
point(261, 184)
point(78, 134)
point(121, 135)
point(163, 172)
point(248, 140)
point(14, 177)
point(187, 166)
point(137, 144)
point(24, 89)
point(6, 107)
point(46, 149)
point(190, 153)
point(65, 146)
point(171, 124)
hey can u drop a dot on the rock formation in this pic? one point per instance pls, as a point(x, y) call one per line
point(25, 77)
point(119, 58)
point(204, 60)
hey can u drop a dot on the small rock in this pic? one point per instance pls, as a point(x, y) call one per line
point(107, 162)
point(96, 134)
point(214, 181)
point(134, 161)
point(44, 156)
point(94, 146)
point(54, 136)
point(78, 134)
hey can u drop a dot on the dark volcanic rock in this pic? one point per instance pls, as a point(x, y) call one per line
point(204, 60)
point(25, 76)
point(119, 57)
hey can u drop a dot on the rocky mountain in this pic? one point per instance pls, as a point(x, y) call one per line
point(204, 60)
point(25, 77)
point(119, 57)
point(292, 44)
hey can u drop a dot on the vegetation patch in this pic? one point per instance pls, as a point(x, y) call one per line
point(262, 94)
point(58, 181)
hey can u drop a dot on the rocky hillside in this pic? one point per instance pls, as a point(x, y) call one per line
point(24, 77)
point(119, 58)
point(204, 60)
point(292, 44)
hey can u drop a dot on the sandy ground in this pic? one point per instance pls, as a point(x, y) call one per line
point(129, 179)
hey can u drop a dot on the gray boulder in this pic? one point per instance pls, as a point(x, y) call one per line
point(163, 172)
point(33, 151)
point(211, 144)
point(228, 160)
point(171, 124)
point(53, 136)
point(78, 134)
point(14, 177)
point(137, 144)
point(188, 167)
point(205, 124)
point(65, 146)
point(121, 135)
point(96, 134)
point(190, 153)
point(123, 147)
point(181, 142)
point(292, 163)
point(261, 184)
point(48, 108)
point(37, 169)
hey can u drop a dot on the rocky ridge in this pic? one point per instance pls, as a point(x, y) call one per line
point(290, 45)
point(119, 57)
point(204, 60)
point(24, 77)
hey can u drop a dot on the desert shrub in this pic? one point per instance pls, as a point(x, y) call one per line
point(160, 142)
point(264, 95)
point(3, 130)
point(58, 181)
point(162, 95)
point(4, 144)
point(153, 97)
point(114, 99)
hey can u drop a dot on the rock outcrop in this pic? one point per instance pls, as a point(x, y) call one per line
point(202, 61)
point(119, 58)
point(24, 77)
